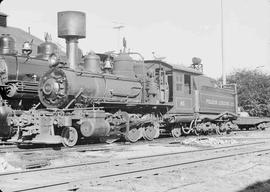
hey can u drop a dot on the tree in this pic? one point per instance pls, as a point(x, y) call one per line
point(253, 88)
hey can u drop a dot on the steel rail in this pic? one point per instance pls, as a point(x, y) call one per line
point(184, 163)
point(198, 150)
point(54, 168)
point(132, 158)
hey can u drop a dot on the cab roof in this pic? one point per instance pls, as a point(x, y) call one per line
point(175, 67)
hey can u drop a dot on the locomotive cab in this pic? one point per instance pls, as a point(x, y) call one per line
point(183, 89)
point(158, 82)
point(192, 92)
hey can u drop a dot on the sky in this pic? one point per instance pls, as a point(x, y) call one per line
point(175, 29)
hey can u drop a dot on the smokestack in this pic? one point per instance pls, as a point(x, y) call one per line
point(72, 26)
point(3, 19)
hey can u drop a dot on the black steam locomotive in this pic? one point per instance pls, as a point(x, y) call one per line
point(120, 97)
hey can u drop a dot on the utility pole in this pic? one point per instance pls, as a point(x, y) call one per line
point(222, 45)
point(118, 39)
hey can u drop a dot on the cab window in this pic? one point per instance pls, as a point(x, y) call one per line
point(187, 84)
point(179, 82)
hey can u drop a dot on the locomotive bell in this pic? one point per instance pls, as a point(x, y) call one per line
point(108, 64)
point(27, 48)
point(7, 45)
point(92, 63)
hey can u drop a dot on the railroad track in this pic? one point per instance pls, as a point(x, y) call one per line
point(36, 168)
point(121, 169)
point(3, 146)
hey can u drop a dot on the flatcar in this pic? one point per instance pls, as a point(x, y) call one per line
point(120, 97)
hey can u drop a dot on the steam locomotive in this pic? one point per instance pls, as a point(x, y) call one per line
point(19, 76)
point(120, 97)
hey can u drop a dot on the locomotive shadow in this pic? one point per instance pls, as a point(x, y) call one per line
point(261, 186)
point(40, 146)
point(57, 147)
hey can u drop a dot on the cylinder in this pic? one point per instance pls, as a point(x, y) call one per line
point(95, 125)
point(71, 23)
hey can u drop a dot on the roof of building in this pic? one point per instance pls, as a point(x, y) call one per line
point(3, 14)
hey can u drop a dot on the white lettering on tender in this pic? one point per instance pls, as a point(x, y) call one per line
point(181, 103)
point(211, 102)
point(215, 102)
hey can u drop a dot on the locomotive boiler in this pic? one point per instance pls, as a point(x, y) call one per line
point(59, 85)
